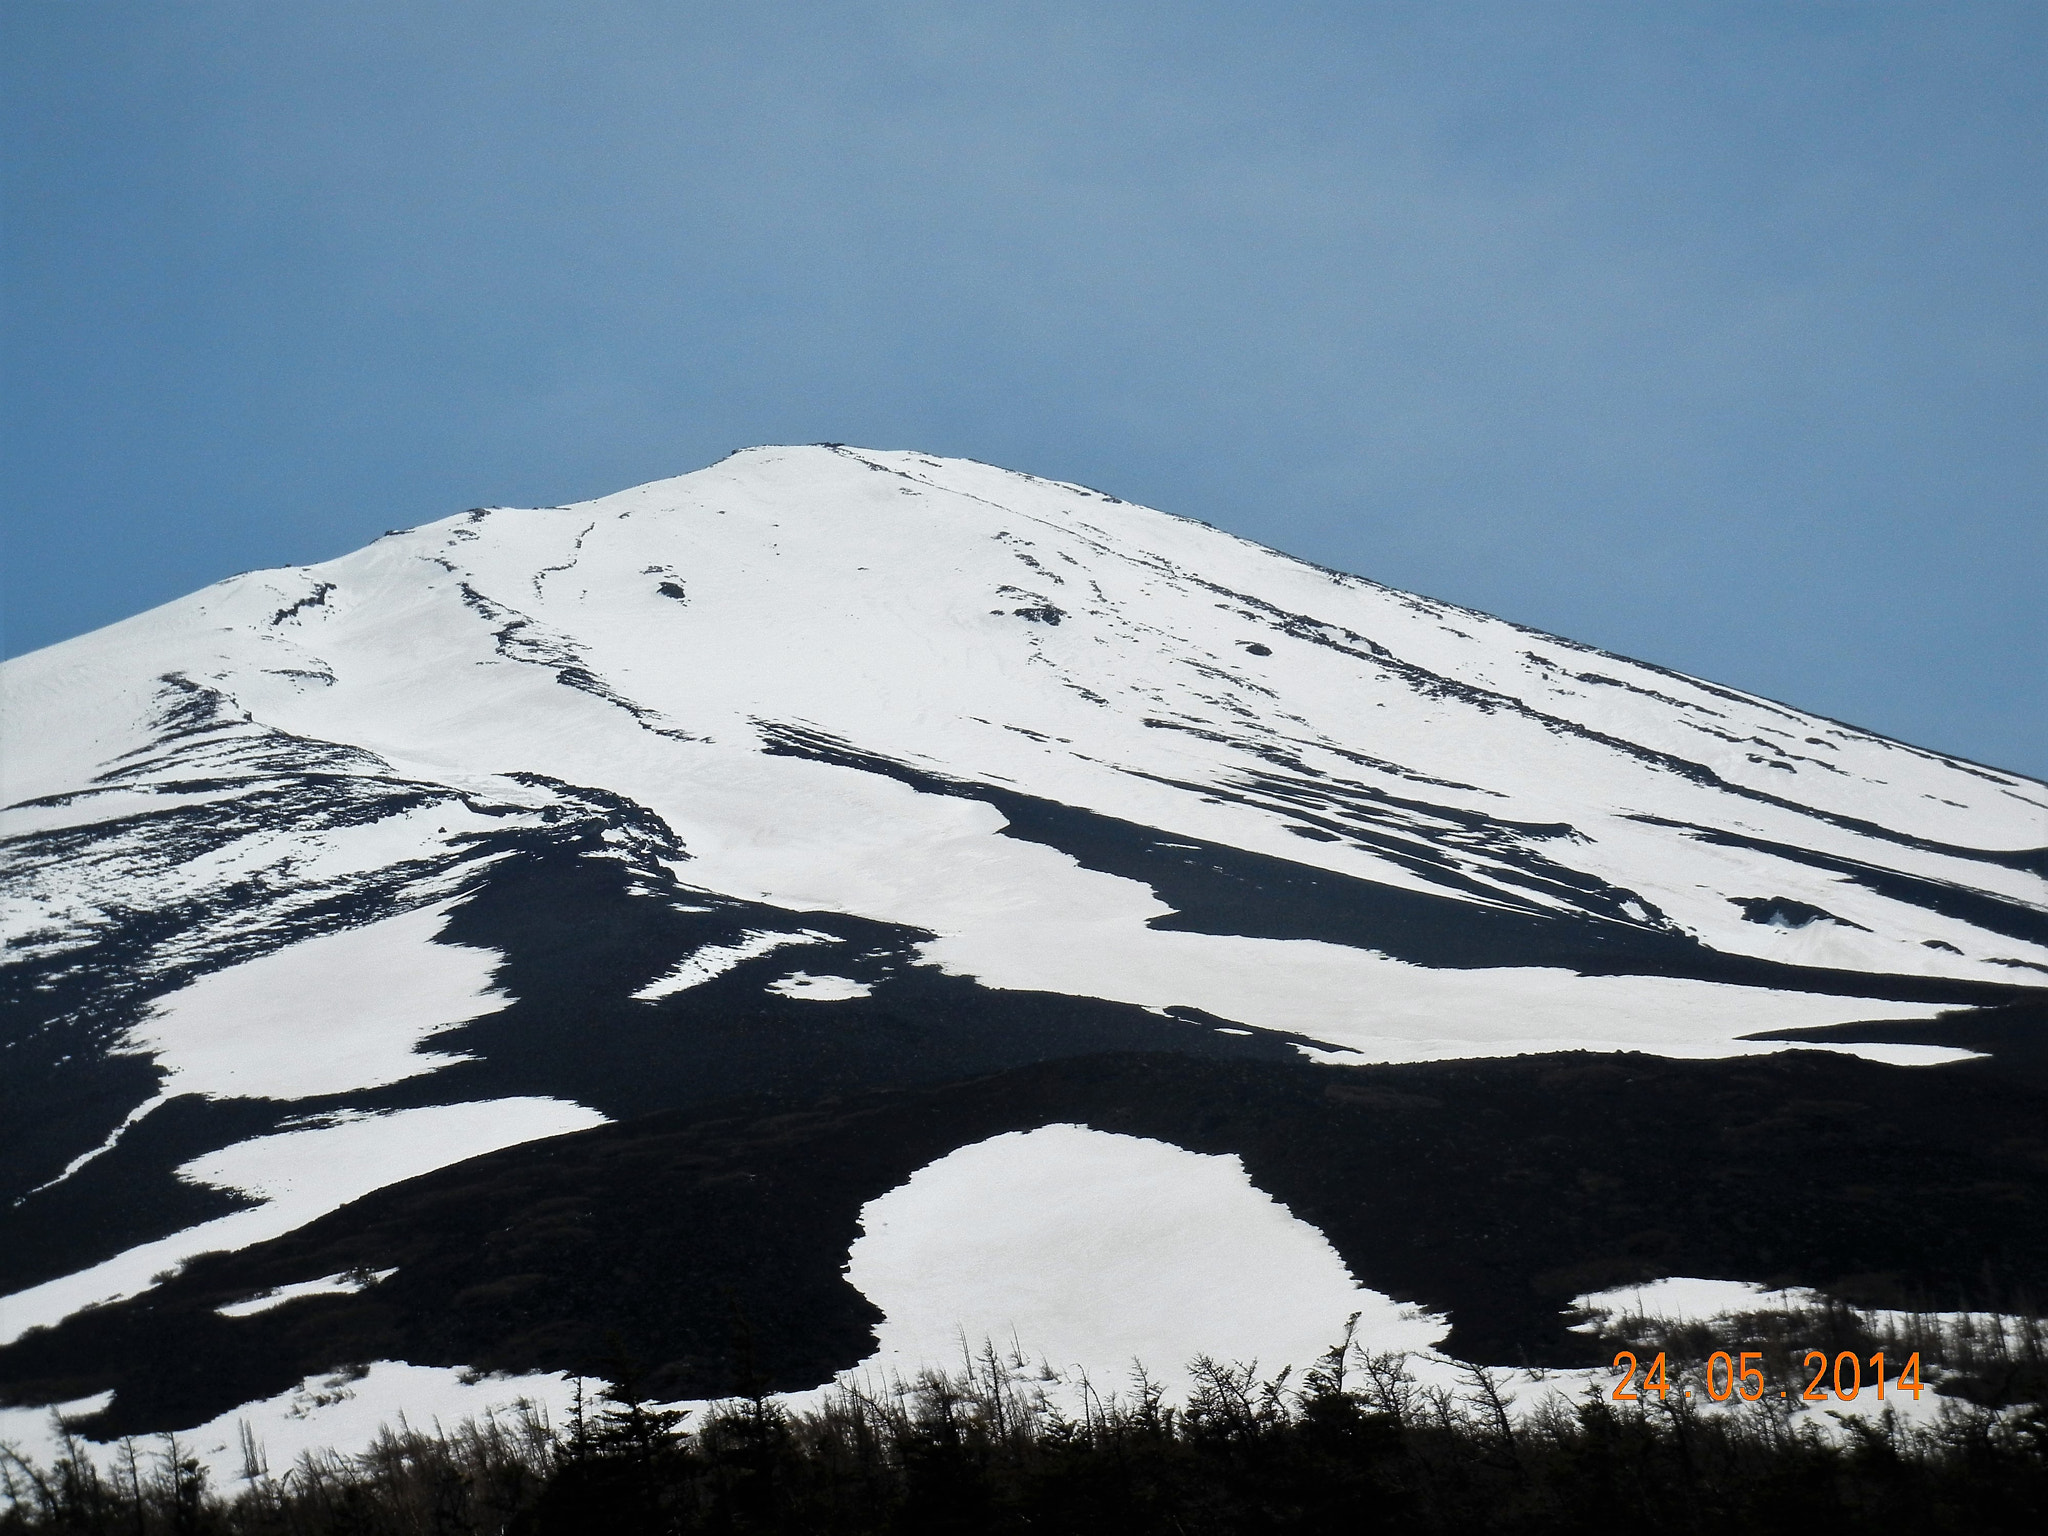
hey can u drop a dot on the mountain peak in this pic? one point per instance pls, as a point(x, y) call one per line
point(827, 771)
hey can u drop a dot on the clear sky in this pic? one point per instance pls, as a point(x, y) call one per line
point(1708, 333)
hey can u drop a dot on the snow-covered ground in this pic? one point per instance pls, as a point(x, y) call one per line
point(714, 960)
point(326, 1285)
point(1091, 1251)
point(820, 989)
point(1688, 1299)
point(343, 1010)
point(995, 628)
point(295, 1177)
point(1082, 1252)
point(343, 1412)
point(804, 678)
point(1001, 629)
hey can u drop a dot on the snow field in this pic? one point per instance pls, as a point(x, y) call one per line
point(819, 581)
point(904, 603)
point(1082, 1250)
point(1091, 1250)
point(778, 625)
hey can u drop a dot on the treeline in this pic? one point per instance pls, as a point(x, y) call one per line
point(1355, 1445)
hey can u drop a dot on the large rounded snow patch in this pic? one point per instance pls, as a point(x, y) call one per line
point(1092, 1250)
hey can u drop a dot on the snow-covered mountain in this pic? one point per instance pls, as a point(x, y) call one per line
point(827, 772)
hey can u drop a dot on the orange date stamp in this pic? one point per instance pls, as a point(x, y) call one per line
point(1839, 1379)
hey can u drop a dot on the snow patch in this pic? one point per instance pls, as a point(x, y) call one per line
point(326, 1285)
point(344, 1412)
point(819, 989)
point(298, 1176)
point(1092, 1249)
point(327, 1015)
point(1686, 1299)
point(715, 960)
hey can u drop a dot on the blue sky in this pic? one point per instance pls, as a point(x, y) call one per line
point(1708, 333)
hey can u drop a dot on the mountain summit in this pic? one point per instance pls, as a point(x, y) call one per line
point(357, 912)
